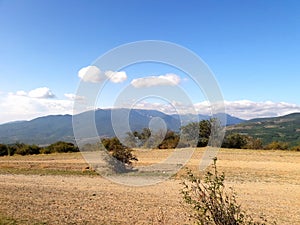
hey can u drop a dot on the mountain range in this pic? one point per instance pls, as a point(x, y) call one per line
point(49, 129)
point(52, 128)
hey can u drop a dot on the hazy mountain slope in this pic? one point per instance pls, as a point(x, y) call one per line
point(49, 129)
point(188, 118)
point(43, 130)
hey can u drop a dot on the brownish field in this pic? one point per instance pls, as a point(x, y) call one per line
point(53, 189)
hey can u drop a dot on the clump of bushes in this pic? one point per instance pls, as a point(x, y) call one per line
point(241, 141)
point(25, 149)
point(119, 151)
point(296, 148)
point(211, 204)
point(3, 150)
point(60, 147)
point(148, 139)
point(277, 145)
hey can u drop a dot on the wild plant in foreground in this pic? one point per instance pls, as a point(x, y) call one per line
point(211, 204)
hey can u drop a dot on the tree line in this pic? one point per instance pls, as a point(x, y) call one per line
point(197, 134)
point(26, 149)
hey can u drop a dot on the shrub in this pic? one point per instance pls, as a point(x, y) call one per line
point(60, 147)
point(235, 140)
point(11, 149)
point(253, 143)
point(296, 148)
point(3, 150)
point(23, 149)
point(120, 152)
point(277, 145)
point(211, 204)
point(170, 140)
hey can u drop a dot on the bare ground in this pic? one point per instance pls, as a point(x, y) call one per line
point(53, 189)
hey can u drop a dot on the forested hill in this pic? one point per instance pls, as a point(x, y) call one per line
point(284, 128)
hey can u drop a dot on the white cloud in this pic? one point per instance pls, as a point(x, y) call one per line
point(116, 77)
point(168, 108)
point(246, 109)
point(73, 97)
point(162, 80)
point(17, 107)
point(91, 74)
point(243, 109)
point(42, 92)
point(94, 75)
point(40, 102)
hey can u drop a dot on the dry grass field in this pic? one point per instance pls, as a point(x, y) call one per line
point(53, 189)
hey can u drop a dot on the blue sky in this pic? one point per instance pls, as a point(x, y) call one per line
point(253, 48)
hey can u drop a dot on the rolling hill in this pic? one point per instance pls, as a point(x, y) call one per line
point(283, 128)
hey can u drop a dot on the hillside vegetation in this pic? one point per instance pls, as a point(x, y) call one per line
point(280, 129)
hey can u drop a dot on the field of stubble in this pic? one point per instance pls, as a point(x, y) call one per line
point(53, 189)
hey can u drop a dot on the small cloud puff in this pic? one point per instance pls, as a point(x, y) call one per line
point(116, 77)
point(162, 80)
point(42, 92)
point(74, 97)
point(90, 74)
point(93, 74)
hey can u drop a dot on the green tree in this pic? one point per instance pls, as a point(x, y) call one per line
point(3, 150)
point(197, 134)
point(235, 140)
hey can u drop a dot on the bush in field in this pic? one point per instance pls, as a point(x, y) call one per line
point(211, 204)
point(3, 150)
point(118, 150)
point(60, 147)
point(235, 140)
point(241, 141)
point(170, 140)
point(23, 149)
point(296, 148)
point(253, 143)
point(277, 145)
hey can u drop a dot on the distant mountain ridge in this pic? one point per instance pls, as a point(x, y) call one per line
point(52, 128)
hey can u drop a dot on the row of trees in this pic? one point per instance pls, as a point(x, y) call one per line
point(197, 135)
point(146, 139)
point(25, 149)
point(192, 135)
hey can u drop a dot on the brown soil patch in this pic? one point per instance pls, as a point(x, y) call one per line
point(265, 181)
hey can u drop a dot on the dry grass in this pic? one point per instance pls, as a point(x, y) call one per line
point(265, 181)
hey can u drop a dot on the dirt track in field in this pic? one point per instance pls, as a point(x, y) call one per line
point(265, 181)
